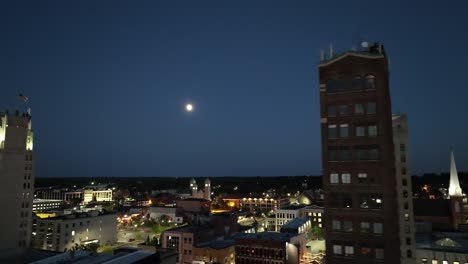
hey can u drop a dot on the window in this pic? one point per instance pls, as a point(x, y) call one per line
point(331, 110)
point(378, 228)
point(349, 250)
point(346, 178)
point(405, 194)
point(373, 153)
point(409, 254)
point(356, 84)
point(379, 253)
point(333, 177)
point(369, 82)
point(403, 158)
point(343, 154)
point(402, 147)
point(344, 130)
point(434, 261)
point(424, 260)
point(332, 131)
point(406, 206)
point(372, 131)
point(365, 227)
point(359, 109)
point(360, 131)
point(403, 170)
point(337, 250)
point(343, 109)
point(404, 182)
point(406, 217)
point(408, 241)
point(336, 225)
point(332, 153)
point(362, 177)
point(347, 226)
point(365, 250)
point(370, 201)
point(371, 108)
point(360, 153)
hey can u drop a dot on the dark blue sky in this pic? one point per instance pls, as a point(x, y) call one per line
point(108, 80)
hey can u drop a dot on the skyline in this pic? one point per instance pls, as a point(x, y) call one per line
point(98, 74)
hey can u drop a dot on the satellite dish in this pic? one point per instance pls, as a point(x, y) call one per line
point(364, 44)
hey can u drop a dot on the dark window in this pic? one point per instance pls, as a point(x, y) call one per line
point(359, 109)
point(356, 84)
point(331, 110)
point(360, 153)
point(332, 131)
point(347, 226)
point(372, 130)
point(344, 154)
point(408, 241)
point(405, 206)
point(366, 250)
point(373, 153)
point(371, 108)
point(365, 227)
point(402, 147)
point(404, 182)
point(334, 86)
point(403, 158)
point(369, 82)
point(409, 254)
point(332, 153)
point(403, 170)
point(344, 130)
point(360, 131)
point(343, 110)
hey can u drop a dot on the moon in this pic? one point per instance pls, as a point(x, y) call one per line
point(189, 107)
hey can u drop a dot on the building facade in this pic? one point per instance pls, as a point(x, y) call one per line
point(63, 232)
point(44, 205)
point(315, 214)
point(98, 195)
point(405, 194)
point(287, 214)
point(17, 174)
point(361, 205)
point(263, 203)
point(215, 251)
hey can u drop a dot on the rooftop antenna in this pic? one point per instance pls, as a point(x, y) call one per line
point(331, 51)
point(322, 55)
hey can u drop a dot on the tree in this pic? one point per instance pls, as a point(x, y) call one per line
point(316, 233)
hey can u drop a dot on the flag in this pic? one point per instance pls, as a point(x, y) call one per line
point(23, 98)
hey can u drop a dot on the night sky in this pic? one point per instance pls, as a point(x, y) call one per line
point(108, 80)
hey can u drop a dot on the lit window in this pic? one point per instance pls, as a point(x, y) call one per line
point(379, 253)
point(434, 261)
point(73, 233)
point(346, 178)
point(349, 250)
point(334, 178)
point(406, 217)
point(337, 250)
point(362, 177)
point(378, 228)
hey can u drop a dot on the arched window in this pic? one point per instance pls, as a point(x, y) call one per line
point(369, 82)
point(356, 83)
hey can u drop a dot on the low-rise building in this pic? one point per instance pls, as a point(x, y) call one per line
point(98, 195)
point(442, 248)
point(169, 213)
point(263, 203)
point(269, 248)
point(215, 251)
point(63, 232)
point(43, 205)
point(315, 214)
point(297, 226)
point(64, 194)
point(286, 214)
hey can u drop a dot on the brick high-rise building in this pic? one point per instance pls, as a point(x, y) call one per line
point(361, 210)
point(17, 174)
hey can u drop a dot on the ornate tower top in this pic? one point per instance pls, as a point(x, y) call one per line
point(454, 186)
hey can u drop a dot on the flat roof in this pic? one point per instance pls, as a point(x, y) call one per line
point(443, 241)
point(266, 236)
point(216, 244)
point(295, 223)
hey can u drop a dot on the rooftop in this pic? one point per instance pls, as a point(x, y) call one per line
point(216, 244)
point(443, 241)
point(295, 223)
point(375, 50)
point(293, 207)
point(266, 236)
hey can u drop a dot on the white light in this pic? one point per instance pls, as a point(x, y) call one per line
point(189, 107)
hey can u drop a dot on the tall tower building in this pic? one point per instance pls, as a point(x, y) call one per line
point(17, 174)
point(207, 191)
point(404, 194)
point(194, 187)
point(361, 205)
